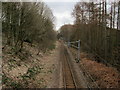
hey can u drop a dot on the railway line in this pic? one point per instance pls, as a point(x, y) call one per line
point(74, 75)
point(88, 77)
point(68, 77)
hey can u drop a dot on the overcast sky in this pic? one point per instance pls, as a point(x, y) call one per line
point(62, 12)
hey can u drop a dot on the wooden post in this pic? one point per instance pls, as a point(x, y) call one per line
point(78, 51)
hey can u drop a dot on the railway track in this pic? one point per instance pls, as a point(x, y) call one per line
point(88, 77)
point(68, 77)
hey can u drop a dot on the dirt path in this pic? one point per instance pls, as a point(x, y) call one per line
point(53, 68)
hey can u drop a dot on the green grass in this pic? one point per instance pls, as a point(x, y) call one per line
point(12, 63)
point(31, 72)
point(52, 46)
point(10, 83)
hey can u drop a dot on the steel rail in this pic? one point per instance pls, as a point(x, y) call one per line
point(88, 75)
point(71, 71)
point(68, 72)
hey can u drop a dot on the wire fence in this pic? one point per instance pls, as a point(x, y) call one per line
point(103, 44)
point(71, 44)
point(87, 74)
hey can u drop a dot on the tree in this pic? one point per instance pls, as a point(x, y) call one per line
point(27, 21)
point(118, 17)
point(96, 28)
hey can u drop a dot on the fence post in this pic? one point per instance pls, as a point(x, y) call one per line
point(78, 51)
point(68, 44)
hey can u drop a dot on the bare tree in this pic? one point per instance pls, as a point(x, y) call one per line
point(27, 21)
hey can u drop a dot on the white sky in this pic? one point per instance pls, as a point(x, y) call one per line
point(62, 12)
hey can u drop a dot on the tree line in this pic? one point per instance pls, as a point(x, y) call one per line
point(97, 25)
point(30, 22)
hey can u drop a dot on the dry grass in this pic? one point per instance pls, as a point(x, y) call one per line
point(105, 77)
point(36, 71)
